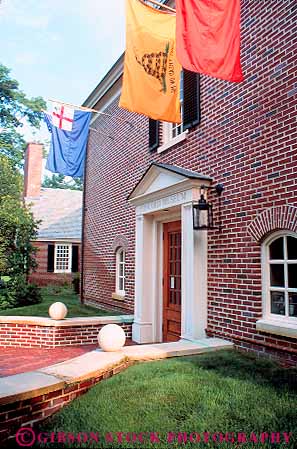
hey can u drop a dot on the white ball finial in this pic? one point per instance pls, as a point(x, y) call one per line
point(57, 311)
point(111, 338)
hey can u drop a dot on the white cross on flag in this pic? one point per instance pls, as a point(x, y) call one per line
point(63, 116)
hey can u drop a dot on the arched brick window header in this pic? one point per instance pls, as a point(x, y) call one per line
point(120, 242)
point(273, 219)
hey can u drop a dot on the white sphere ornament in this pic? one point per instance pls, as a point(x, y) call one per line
point(58, 311)
point(111, 338)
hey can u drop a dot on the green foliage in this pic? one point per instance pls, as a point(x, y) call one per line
point(17, 230)
point(17, 226)
point(76, 282)
point(60, 182)
point(24, 294)
point(7, 300)
point(12, 145)
point(11, 180)
point(18, 293)
point(15, 108)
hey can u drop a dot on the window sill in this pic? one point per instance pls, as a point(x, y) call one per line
point(118, 297)
point(277, 327)
point(173, 142)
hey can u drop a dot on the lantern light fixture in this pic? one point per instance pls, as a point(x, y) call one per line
point(203, 210)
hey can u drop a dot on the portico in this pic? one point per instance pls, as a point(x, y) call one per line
point(165, 195)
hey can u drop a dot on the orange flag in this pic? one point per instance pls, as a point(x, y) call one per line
point(151, 81)
point(208, 37)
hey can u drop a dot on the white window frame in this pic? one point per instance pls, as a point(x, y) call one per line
point(168, 139)
point(273, 323)
point(173, 133)
point(120, 251)
point(69, 245)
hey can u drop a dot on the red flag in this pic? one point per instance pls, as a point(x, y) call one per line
point(208, 37)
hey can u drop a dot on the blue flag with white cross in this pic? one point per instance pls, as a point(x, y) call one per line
point(69, 129)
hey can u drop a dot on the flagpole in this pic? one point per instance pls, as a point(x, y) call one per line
point(154, 2)
point(83, 108)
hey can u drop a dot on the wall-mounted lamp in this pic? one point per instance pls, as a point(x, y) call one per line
point(203, 211)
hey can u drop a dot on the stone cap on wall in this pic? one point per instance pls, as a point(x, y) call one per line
point(67, 322)
point(87, 366)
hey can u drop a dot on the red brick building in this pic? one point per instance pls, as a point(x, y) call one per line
point(59, 233)
point(141, 252)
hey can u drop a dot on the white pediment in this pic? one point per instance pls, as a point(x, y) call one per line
point(164, 186)
point(156, 179)
point(164, 180)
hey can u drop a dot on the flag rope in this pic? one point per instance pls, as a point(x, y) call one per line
point(83, 108)
point(99, 132)
point(154, 2)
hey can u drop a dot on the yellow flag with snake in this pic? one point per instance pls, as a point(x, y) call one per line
point(151, 81)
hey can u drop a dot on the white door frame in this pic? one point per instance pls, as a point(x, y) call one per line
point(152, 210)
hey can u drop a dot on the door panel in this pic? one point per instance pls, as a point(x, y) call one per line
point(172, 281)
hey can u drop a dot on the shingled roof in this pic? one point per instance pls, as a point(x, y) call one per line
point(60, 211)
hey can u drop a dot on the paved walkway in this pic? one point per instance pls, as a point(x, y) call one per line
point(91, 364)
point(20, 360)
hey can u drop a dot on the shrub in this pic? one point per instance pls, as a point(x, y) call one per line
point(24, 294)
point(7, 300)
point(6, 297)
point(76, 283)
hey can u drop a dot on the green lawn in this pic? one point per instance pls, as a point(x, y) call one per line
point(224, 391)
point(65, 295)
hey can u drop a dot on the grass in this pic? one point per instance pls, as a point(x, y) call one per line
point(225, 391)
point(64, 294)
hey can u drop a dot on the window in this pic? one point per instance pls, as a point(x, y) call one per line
point(172, 130)
point(176, 129)
point(173, 133)
point(190, 111)
point(63, 255)
point(120, 271)
point(280, 277)
point(62, 258)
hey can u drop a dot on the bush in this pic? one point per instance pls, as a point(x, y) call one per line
point(76, 283)
point(7, 300)
point(24, 294)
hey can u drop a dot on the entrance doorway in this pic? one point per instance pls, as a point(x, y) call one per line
point(172, 281)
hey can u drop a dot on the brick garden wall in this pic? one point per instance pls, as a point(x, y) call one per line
point(41, 276)
point(32, 411)
point(18, 335)
point(246, 140)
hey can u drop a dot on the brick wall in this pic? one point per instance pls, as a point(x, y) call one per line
point(246, 140)
point(41, 276)
point(20, 335)
point(32, 411)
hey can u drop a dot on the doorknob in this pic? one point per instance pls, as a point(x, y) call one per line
point(172, 283)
